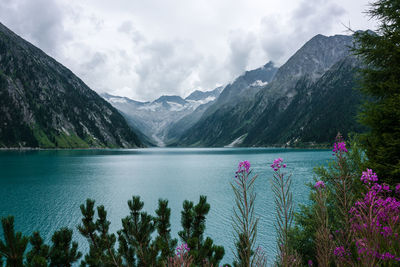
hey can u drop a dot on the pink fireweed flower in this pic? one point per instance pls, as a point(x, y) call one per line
point(319, 184)
point(182, 249)
point(386, 231)
point(339, 147)
point(368, 177)
point(386, 188)
point(278, 164)
point(340, 252)
point(379, 216)
point(244, 166)
point(397, 189)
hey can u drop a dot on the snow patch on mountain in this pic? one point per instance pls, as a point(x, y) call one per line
point(117, 100)
point(237, 141)
point(259, 83)
point(154, 118)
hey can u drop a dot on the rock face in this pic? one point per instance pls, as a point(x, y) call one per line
point(157, 119)
point(315, 84)
point(43, 104)
point(315, 114)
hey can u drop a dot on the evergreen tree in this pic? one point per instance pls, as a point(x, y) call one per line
point(136, 233)
point(163, 241)
point(39, 254)
point(63, 252)
point(15, 244)
point(186, 220)
point(193, 223)
point(381, 82)
point(101, 252)
point(126, 251)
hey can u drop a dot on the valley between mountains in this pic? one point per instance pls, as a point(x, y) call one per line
point(304, 102)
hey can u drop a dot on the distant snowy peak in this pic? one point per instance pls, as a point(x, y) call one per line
point(154, 118)
point(170, 98)
point(171, 103)
point(117, 100)
point(201, 95)
point(113, 99)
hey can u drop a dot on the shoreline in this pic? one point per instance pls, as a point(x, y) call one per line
point(316, 147)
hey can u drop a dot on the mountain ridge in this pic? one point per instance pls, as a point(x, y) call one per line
point(155, 118)
point(45, 105)
point(227, 121)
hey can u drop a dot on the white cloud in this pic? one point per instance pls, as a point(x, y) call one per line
point(142, 49)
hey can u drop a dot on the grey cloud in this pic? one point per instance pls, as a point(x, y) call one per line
point(210, 72)
point(309, 18)
point(240, 45)
point(315, 16)
point(142, 52)
point(273, 40)
point(127, 27)
point(40, 21)
point(165, 67)
point(96, 61)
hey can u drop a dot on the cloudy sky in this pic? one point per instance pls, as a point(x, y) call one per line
point(146, 48)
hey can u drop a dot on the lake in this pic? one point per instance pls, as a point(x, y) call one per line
point(44, 189)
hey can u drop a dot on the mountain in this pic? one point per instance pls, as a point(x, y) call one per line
point(177, 128)
point(314, 84)
point(43, 104)
point(156, 119)
point(201, 95)
point(315, 114)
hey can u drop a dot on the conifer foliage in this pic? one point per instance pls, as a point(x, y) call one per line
point(143, 241)
point(193, 222)
point(15, 244)
point(39, 254)
point(381, 83)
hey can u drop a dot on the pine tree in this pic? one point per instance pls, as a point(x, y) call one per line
point(39, 254)
point(186, 221)
point(381, 83)
point(63, 252)
point(193, 222)
point(101, 252)
point(136, 234)
point(15, 244)
point(163, 241)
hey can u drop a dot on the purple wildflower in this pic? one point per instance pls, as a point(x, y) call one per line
point(278, 164)
point(386, 187)
point(375, 221)
point(386, 231)
point(244, 166)
point(368, 177)
point(397, 189)
point(182, 249)
point(319, 184)
point(377, 188)
point(339, 147)
point(310, 263)
point(340, 252)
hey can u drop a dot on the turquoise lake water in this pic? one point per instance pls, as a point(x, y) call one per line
point(43, 189)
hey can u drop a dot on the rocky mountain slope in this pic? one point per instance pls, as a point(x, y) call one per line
point(43, 104)
point(313, 85)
